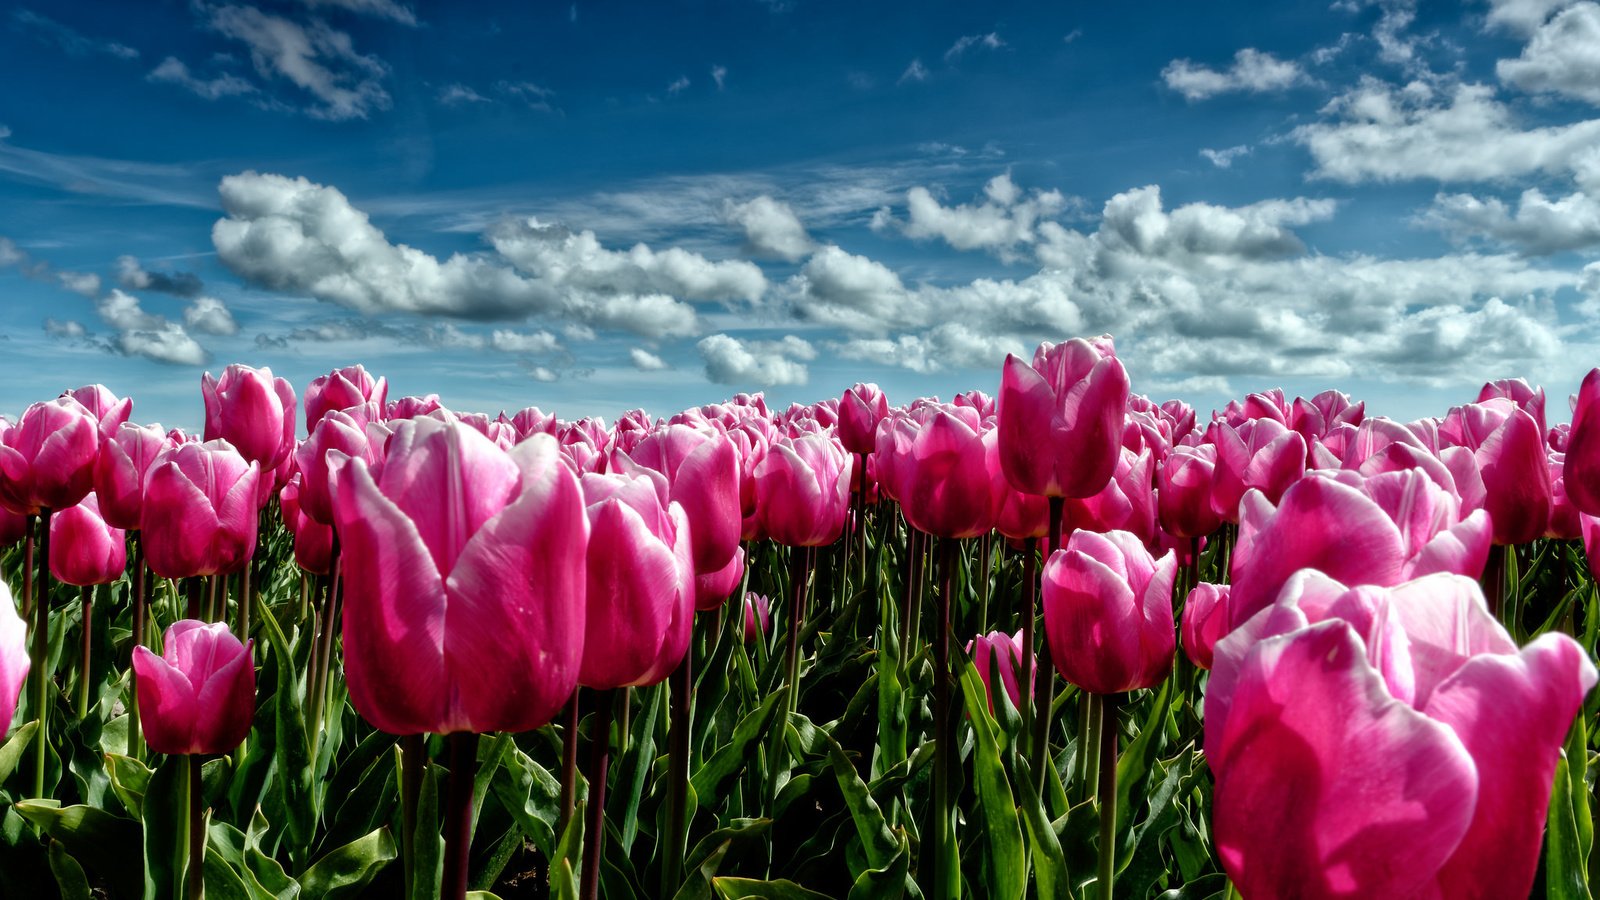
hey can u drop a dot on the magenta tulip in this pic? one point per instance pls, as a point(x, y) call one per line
point(47, 459)
point(342, 389)
point(411, 407)
point(84, 550)
point(14, 661)
point(757, 617)
point(803, 490)
point(1205, 621)
point(713, 589)
point(1108, 612)
point(13, 527)
point(1126, 503)
point(1528, 398)
point(1262, 454)
point(1183, 492)
point(348, 432)
point(702, 469)
point(861, 408)
point(251, 410)
point(640, 595)
point(313, 540)
point(119, 471)
point(942, 474)
point(199, 515)
point(1060, 420)
point(199, 695)
point(109, 411)
point(998, 651)
point(1510, 450)
point(463, 568)
point(1582, 467)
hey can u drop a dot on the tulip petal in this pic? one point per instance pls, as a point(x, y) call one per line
point(166, 701)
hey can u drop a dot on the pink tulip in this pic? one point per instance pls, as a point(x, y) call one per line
point(313, 540)
point(1510, 451)
point(1582, 467)
point(712, 589)
point(1183, 492)
point(757, 617)
point(47, 459)
point(14, 661)
point(125, 456)
point(411, 407)
point(342, 389)
point(1205, 621)
point(532, 421)
point(343, 431)
point(640, 595)
point(1021, 516)
point(1261, 454)
point(803, 490)
point(13, 527)
point(85, 550)
point(1060, 420)
point(108, 410)
point(1126, 503)
point(1108, 612)
point(1563, 524)
point(1380, 530)
point(860, 410)
point(702, 468)
point(943, 486)
point(199, 515)
point(1390, 741)
point(1323, 413)
point(1589, 530)
point(1528, 398)
point(251, 410)
point(975, 400)
point(463, 571)
point(199, 695)
point(1003, 652)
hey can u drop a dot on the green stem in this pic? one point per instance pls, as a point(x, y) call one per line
point(678, 775)
point(41, 655)
point(1030, 591)
point(569, 762)
point(135, 738)
point(1108, 792)
point(413, 759)
point(595, 832)
point(463, 748)
point(86, 606)
point(947, 871)
point(197, 829)
point(1044, 689)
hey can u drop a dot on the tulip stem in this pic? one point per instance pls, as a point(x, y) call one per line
point(413, 759)
point(678, 775)
point(1090, 724)
point(192, 602)
point(985, 559)
point(86, 605)
point(946, 867)
point(861, 523)
point(213, 611)
point(569, 761)
point(197, 828)
point(135, 738)
point(1030, 592)
point(1108, 791)
point(41, 656)
point(599, 760)
point(463, 748)
point(1044, 689)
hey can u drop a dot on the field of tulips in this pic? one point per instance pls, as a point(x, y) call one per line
point(1062, 642)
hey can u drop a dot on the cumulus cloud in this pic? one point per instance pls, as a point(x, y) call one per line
point(123, 311)
point(1563, 56)
point(1224, 158)
point(316, 58)
point(168, 343)
point(68, 329)
point(508, 341)
point(1385, 132)
point(133, 276)
point(173, 71)
point(949, 346)
point(460, 95)
point(719, 74)
point(730, 360)
point(645, 361)
point(84, 283)
point(990, 41)
point(1253, 71)
point(771, 228)
point(1521, 16)
point(208, 315)
point(1006, 217)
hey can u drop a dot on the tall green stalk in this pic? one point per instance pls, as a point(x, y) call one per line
point(1108, 793)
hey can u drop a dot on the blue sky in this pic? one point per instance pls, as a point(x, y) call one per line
point(590, 207)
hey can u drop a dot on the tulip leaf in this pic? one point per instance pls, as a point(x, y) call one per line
point(293, 779)
point(1209, 887)
point(70, 878)
point(1001, 832)
point(707, 856)
point(163, 812)
point(99, 841)
point(1144, 863)
point(345, 871)
point(743, 888)
point(876, 837)
point(1050, 872)
point(532, 796)
point(886, 882)
point(1136, 760)
point(130, 779)
point(1565, 872)
point(730, 759)
point(564, 862)
point(635, 769)
point(223, 882)
point(12, 751)
point(427, 851)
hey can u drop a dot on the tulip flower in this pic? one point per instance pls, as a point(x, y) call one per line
point(462, 567)
point(861, 408)
point(342, 389)
point(84, 550)
point(13, 527)
point(14, 661)
point(108, 410)
point(47, 458)
point(1262, 454)
point(1386, 742)
point(711, 590)
point(348, 432)
point(532, 421)
point(411, 407)
point(1126, 503)
point(313, 540)
point(1205, 621)
point(1509, 447)
point(1184, 489)
point(757, 617)
point(198, 696)
point(1582, 466)
point(1528, 398)
point(251, 410)
point(119, 471)
point(702, 469)
point(199, 515)
point(1108, 612)
point(998, 651)
point(1060, 420)
point(803, 490)
point(941, 474)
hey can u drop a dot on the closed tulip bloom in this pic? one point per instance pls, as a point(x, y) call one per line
point(861, 408)
point(108, 410)
point(251, 410)
point(1021, 516)
point(313, 540)
point(344, 431)
point(1386, 742)
point(1582, 467)
point(710, 590)
point(532, 421)
point(1563, 524)
point(14, 661)
point(1002, 653)
point(702, 470)
point(47, 458)
point(757, 617)
point(1528, 398)
point(1126, 503)
point(13, 527)
point(1060, 420)
point(199, 695)
point(85, 550)
point(463, 573)
point(803, 490)
point(119, 470)
point(411, 407)
point(1205, 621)
point(342, 389)
point(199, 515)
point(1108, 612)
point(1510, 450)
point(944, 486)
point(640, 594)
point(1323, 413)
point(1183, 492)
point(1262, 454)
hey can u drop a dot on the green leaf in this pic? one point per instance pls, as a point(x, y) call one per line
point(783, 889)
point(709, 779)
point(564, 864)
point(223, 882)
point(427, 866)
point(532, 796)
point(70, 879)
point(293, 779)
point(100, 842)
point(1050, 872)
point(887, 882)
point(1002, 832)
point(1136, 759)
point(1145, 862)
point(635, 770)
point(1565, 874)
point(877, 840)
point(345, 871)
point(130, 779)
point(12, 750)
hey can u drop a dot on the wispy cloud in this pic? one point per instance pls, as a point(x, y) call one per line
point(174, 71)
point(1253, 71)
point(314, 57)
point(990, 41)
point(914, 72)
point(70, 40)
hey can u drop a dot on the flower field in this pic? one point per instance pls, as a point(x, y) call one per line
point(1059, 642)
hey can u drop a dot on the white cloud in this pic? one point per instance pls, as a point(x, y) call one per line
point(1252, 71)
point(10, 253)
point(318, 59)
point(1388, 133)
point(914, 72)
point(85, 283)
point(1005, 218)
point(132, 276)
point(173, 71)
point(1224, 158)
point(679, 85)
point(771, 228)
point(123, 312)
point(168, 343)
point(526, 92)
point(1563, 57)
point(990, 41)
point(645, 361)
point(508, 341)
point(70, 40)
point(719, 74)
point(543, 374)
point(1537, 225)
point(377, 9)
point(949, 346)
point(208, 315)
point(759, 363)
point(1522, 16)
point(68, 329)
point(460, 95)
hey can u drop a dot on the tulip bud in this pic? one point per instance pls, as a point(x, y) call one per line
point(342, 389)
point(108, 410)
point(1060, 420)
point(803, 490)
point(1205, 621)
point(47, 459)
point(199, 695)
point(860, 410)
point(757, 617)
point(998, 651)
point(125, 456)
point(199, 515)
point(84, 550)
point(1108, 612)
